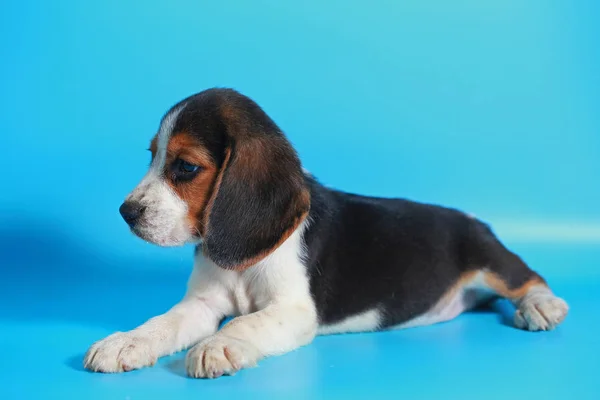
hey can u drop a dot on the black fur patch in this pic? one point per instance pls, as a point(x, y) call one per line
point(394, 255)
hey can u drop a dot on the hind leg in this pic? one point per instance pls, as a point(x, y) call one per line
point(538, 308)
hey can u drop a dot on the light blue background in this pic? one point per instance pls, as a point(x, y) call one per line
point(489, 106)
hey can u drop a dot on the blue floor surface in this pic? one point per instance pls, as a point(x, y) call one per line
point(491, 107)
point(48, 325)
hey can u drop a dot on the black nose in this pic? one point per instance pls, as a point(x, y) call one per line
point(131, 212)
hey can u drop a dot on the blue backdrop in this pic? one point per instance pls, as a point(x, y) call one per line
point(489, 106)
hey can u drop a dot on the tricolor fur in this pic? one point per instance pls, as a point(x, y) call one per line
point(290, 258)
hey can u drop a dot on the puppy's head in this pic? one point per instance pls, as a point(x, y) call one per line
point(223, 174)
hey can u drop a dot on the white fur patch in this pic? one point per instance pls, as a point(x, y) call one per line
point(164, 221)
point(364, 322)
point(276, 308)
point(164, 134)
point(277, 315)
point(449, 307)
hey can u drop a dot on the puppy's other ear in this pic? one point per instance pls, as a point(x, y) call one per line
point(260, 198)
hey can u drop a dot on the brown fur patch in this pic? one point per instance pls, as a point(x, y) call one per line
point(495, 283)
point(194, 193)
point(498, 284)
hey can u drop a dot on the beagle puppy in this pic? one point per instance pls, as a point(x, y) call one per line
point(290, 258)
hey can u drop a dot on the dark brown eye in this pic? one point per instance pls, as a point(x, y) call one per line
point(183, 170)
point(187, 168)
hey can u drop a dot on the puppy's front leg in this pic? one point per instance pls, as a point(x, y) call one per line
point(185, 324)
point(277, 329)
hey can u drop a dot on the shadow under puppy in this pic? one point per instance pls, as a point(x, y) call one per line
point(291, 258)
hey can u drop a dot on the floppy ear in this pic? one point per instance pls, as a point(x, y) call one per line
point(260, 198)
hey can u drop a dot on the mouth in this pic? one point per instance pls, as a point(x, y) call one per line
point(141, 234)
point(169, 240)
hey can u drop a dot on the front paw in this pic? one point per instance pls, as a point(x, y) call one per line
point(220, 355)
point(120, 352)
